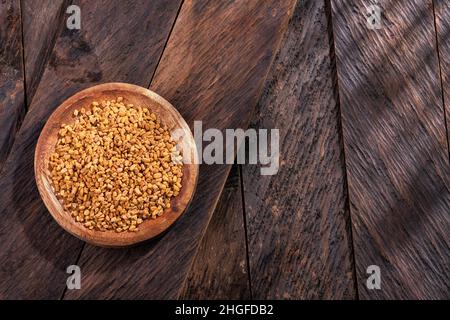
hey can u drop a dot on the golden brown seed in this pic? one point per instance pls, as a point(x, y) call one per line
point(112, 167)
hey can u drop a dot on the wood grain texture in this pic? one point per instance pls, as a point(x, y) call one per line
point(34, 251)
point(219, 270)
point(395, 146)
point(298, 222)
point(38, 37)
point(12, 107)
point(442, 20)
point(41, 21)
point(213, 69)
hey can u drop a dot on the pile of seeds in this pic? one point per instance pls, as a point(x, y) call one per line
point(115, 166)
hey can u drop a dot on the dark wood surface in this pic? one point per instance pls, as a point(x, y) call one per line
point(220, 269)
point(298, 221)
point(363, 140)
point(12, 92)
point(395, 147)
point(41, 22)
point(34, 251)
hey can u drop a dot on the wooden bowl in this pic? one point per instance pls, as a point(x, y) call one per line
point(139, 96)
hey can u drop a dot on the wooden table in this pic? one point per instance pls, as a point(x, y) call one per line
point(364, 156)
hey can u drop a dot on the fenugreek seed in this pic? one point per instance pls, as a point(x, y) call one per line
point(87, 166)
point(157, 175)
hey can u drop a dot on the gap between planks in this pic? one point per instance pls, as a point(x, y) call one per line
point(438, 45)
point(335, 80)
point(241, 182)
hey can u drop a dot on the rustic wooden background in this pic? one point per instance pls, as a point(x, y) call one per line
point(364, 167)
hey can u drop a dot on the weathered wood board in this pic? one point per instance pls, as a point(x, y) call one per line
point(41, 21)
point(298, 221)
point(220, 270)
point(395, 147)
point(12, 107)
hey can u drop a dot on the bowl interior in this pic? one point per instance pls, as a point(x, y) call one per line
point(140, 97)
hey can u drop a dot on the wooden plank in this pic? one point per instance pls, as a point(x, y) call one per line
point(395, 146)
point(442, 19)
point(11, 75)
point(298, 222)
point(213, 70)
point(34, 251)
point(37, 40)
point(41, 21)
point(219, 270)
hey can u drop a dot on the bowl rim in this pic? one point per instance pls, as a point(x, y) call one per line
point(106, 238)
